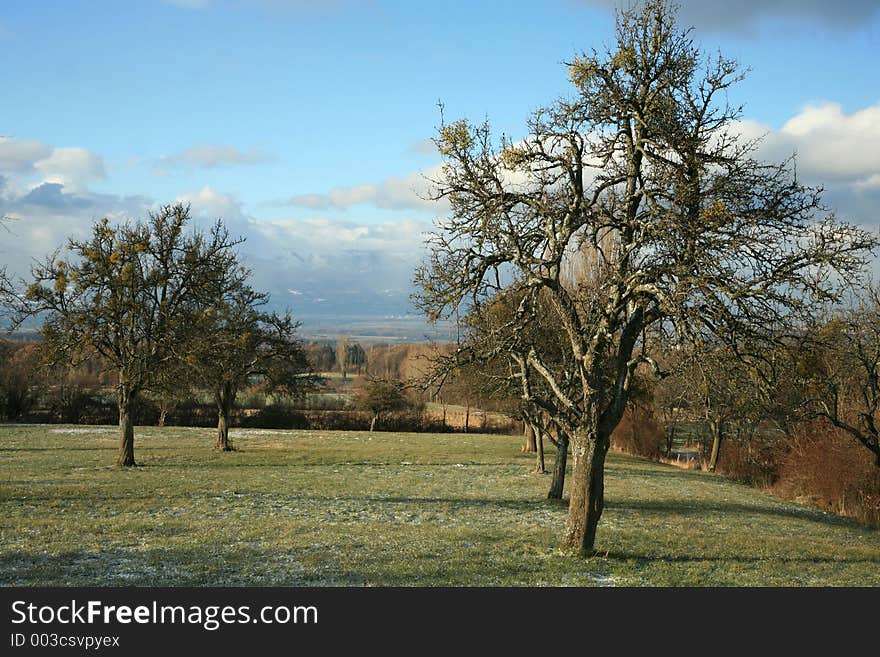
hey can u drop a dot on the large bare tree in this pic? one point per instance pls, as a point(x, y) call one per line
point(640, 164)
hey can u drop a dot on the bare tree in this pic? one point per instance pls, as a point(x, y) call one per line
point(641, 163)
point(723, 388)
point(839, 365)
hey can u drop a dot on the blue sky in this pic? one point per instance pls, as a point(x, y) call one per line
point(305, 124)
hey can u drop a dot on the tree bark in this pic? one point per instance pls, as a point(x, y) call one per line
point(126, 430)
point(373, 422)
point(529, 444)
point(717, 435)
point(225, 399)
point(467, 418)
point(223, 443)
point(589, 448)
point(539, 448)
point(559, 465)
point(163, 414)
point(670, 439)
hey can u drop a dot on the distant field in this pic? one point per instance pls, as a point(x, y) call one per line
point(298, 508)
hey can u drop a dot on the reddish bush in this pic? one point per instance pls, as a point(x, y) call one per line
point(639, 434)
point(752, 462)
point(827, 467)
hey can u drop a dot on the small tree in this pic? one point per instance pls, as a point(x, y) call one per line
point(839, 365)
point(20, 373)
point(241, 345)
point(380, 396)
point(131, 293)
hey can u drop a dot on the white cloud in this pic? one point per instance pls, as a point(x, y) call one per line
point(211, 204)
point(71, 167)
point(19, 156)
point(832, 146)
point(395, 193)
point(210, 156)
point(398, 238)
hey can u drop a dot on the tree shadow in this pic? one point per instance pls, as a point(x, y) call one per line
point(690, 508)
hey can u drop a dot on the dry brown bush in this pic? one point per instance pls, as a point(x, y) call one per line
point(825, 467)
point(752, 462)
point(639, 434)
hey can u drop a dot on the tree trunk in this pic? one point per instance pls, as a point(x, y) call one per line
point(529, 444)
point(373, 422)
point(467, 417)
point(539, 448)
point(670, 440)
point(223, 443)
point(163, 414)
point(587, 490)
point(559, 465)
point(716, 445)
point(126, 431)
point(225, 399)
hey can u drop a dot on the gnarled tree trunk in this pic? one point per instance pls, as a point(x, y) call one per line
point(717, 435)
point(125, 400)
point(589, 448)
point(559, 465)
point(539, 448)
point(528, 438)
point(224, 399)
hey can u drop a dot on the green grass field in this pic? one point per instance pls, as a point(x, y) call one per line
point(296, 508)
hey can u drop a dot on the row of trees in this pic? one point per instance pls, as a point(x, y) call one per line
point(678, 232)
point(164, 307)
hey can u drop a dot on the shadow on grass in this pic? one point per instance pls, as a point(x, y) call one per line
point(622, 555)
point(343, 565)
point(207, 567)
point(690, 508)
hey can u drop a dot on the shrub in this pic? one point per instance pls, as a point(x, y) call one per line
point(826, 467)
point(754, 462)
point(639, 434)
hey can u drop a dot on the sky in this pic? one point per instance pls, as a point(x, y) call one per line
point(306, 126)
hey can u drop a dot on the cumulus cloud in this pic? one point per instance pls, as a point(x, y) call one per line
point(322, 267)
point(20, 155)
point(325, 267)
point(210, 204)
point(395, 193)
point(210, 156)
point(726, 16)
point(71, 167)
point(833, 144)
point(836, 149)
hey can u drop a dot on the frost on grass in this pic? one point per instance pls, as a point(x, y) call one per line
point(335, 508)
point(83, 430)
